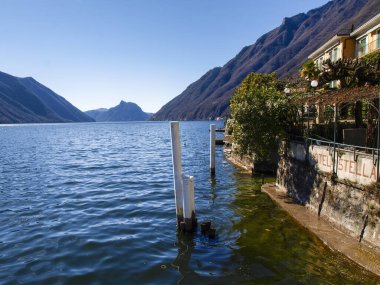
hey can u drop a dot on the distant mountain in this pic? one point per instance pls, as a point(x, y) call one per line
point(125, 111)
point(24, 100)
point(96, 113)
point(282, 50)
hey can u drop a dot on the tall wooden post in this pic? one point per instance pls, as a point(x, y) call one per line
point(335, 139)
point(177, 170)
point(378, 139)
point(320, 113)
point(212, 149)
point(188, 202)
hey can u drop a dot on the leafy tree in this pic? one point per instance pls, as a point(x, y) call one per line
point(261, 114)
point(309, 70)
point(373, 59)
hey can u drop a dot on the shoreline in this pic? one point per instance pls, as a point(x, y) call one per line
point(362, 254)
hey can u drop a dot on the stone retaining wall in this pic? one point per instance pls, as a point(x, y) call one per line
point(348, 202)
point(356, 167)
point(250, 164)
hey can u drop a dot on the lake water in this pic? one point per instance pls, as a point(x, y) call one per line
point(94, 204)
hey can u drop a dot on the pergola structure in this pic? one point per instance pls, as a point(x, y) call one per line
point(339, 96)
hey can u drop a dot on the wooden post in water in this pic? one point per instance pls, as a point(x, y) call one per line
point(177, 170)
point(188, 202)
point(212, 149)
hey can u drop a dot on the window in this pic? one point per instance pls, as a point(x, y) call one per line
point(335, 54)
point(318, 62)
point(363, 46)
point(378, 39)
point(333, 84)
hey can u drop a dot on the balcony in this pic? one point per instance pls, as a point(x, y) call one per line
point(362, 50)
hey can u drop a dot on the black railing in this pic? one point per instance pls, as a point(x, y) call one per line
point(346, 147)
point(334, 149)
point(362, 50)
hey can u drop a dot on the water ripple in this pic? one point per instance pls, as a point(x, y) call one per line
point(94, 204)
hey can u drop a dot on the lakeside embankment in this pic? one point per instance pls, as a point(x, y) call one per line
point(341, 214)
point(366, 256)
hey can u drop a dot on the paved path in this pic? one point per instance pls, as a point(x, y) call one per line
point(360, 253)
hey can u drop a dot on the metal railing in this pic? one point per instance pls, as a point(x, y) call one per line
point(334, 149)
point(331, 144)
point(362, 50)
point(348, 147)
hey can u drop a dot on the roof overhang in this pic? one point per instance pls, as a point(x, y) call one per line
point(367, 27)
point(334, 41)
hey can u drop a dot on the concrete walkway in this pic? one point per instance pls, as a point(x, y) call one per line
point(367, 257)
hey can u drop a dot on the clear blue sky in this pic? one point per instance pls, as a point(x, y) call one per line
point(98, 52)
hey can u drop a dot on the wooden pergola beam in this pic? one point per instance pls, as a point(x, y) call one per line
point(347, 95)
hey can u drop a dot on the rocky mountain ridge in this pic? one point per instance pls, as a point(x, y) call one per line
point(25, 100)
point(125, 111)
point(282, 50)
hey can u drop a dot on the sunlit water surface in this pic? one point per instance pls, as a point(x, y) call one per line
point(94, 204)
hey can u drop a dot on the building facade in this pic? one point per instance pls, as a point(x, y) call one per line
point(352, 44)
point(362, 41)
point(367, 37)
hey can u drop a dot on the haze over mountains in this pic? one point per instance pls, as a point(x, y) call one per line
point(282, 50)
point(24, 100)
point(125, 111)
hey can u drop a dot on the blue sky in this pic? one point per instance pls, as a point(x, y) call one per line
point(98, 52)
